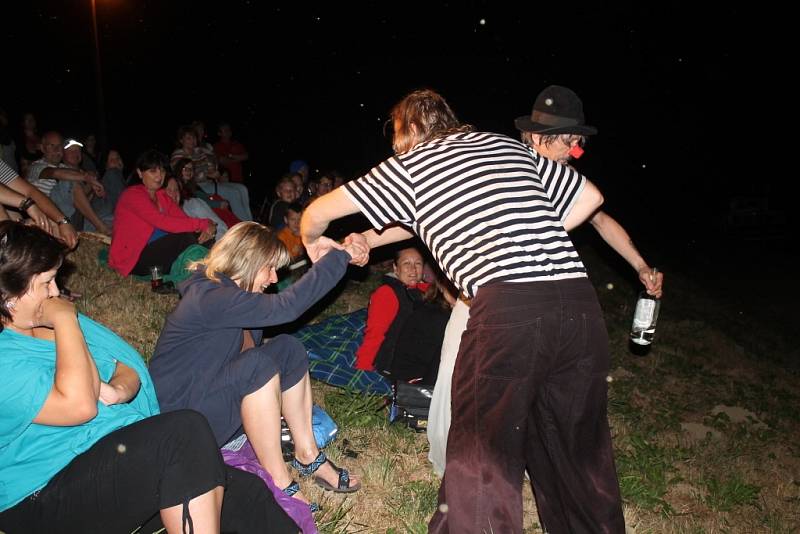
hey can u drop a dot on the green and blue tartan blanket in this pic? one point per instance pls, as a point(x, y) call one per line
point(332, 345)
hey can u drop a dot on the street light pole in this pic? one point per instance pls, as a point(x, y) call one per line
point(101, 108)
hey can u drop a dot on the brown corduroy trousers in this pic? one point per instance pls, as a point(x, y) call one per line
point(530, 391)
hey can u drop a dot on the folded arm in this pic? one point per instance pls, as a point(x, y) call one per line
point(76, 387)
point(122, 387)
point(172, 220)
point(44, 204)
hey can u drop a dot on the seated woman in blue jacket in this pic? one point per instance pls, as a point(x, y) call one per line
point(82, 448)
point(210, 356)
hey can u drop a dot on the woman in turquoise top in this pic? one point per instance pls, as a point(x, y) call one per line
point(82, 448)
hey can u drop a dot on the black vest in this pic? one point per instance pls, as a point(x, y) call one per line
point(413, 343)
point(409, 299)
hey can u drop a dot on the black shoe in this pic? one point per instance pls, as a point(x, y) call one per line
point(167, 288)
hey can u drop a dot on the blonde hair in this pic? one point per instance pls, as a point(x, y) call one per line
point(243, 251)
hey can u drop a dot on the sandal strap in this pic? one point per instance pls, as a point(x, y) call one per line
point(344, 476)
point(309, 469)
point(344, 479)
point(291, 489)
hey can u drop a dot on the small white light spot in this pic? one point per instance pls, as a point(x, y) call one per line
point(361, 105)
point(609, 378)
point(482, 22)
point(548, 101)
point(121, 448)
point(443, 508)
point(644, 165)
point(609, 286)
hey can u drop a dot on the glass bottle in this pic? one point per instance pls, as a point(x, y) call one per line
point(645, 317)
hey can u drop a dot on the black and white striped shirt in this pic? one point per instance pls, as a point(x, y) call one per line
point(7, 173)
point(489, 208)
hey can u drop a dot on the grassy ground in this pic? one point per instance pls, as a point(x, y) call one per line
point(706, 426)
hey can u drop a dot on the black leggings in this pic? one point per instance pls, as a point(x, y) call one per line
point(124, 479)
point(163, 251)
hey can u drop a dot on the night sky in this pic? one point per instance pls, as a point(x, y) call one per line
point(668, 85)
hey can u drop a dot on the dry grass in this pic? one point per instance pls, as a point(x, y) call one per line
point(745, 480)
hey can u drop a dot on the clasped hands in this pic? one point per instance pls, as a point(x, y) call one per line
point(355, 244)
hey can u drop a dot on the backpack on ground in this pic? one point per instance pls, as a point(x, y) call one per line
point(410, 405)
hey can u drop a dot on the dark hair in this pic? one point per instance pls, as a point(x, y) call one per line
point(188, 189)
point(549, 139)
point(25, 251)
point(179, 165)
point(183, 130)
point(152, 159)
point(295, 207)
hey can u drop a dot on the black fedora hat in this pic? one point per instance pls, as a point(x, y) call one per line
point(557, 110)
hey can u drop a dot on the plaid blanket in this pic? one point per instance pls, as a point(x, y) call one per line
point(332, 345)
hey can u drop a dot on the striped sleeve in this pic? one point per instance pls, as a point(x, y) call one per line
point(562, 183)
point(385, 194)
point(7, 173)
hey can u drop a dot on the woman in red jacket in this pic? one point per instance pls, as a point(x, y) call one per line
point(405, 324)
point(149, 228)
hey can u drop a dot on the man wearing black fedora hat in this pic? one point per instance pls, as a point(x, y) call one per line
point(495, 214)
point(555, 129)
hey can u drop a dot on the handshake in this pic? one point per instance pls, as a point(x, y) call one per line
point(355, 244)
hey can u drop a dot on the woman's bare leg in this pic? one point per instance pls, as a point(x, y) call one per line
point(261, 418)
point(296, 407)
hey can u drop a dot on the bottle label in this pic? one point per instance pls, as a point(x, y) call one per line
point(643, 316)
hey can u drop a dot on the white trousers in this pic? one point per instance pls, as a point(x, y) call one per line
point(439, 414)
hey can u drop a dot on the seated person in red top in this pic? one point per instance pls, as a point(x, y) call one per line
point(150, 229)
point(405, 324)
point(231, 153)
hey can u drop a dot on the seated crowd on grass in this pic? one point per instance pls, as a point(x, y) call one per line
point(86, 413)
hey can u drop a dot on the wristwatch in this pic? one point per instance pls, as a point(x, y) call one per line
point(26, 203)
point(63, 221)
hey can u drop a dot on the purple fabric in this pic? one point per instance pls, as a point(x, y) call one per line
point(245, 459)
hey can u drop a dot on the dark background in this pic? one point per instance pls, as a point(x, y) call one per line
point(680, 92)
